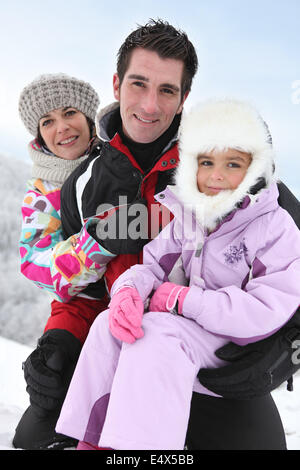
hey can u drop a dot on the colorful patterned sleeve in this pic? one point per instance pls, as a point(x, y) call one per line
point(77, 262)
point(61, 267)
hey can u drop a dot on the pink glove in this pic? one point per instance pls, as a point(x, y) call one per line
point(166, 296)
point(126, 311)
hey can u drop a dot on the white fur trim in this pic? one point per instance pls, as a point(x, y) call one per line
point(219, 125)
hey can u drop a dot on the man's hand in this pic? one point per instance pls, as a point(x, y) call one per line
point(123, 229)
point(257, 368)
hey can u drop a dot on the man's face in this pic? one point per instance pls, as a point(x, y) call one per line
point(150, 95)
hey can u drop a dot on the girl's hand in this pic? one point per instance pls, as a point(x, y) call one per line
point(126, 311)
point(168, 298)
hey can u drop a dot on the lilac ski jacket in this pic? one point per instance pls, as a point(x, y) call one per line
point(244, 276)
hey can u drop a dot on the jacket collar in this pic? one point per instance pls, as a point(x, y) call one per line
point(108, 120)
point(263, 202)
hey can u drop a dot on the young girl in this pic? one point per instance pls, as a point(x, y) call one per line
point(240, 254)
point(59, 111)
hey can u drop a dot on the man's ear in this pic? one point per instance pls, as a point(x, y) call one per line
point(182, 103)
point(116, 86)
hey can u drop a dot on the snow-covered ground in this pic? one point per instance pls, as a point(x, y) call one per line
point(13, 396)
point(14, 399)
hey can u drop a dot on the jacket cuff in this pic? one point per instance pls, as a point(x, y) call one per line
point(191, 307)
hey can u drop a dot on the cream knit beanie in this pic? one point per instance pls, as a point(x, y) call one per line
point(53, 91)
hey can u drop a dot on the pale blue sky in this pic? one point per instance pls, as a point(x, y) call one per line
point(248, 49)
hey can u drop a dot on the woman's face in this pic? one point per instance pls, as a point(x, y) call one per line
point(65, 132)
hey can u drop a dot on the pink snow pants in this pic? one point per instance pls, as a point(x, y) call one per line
point(137, 396)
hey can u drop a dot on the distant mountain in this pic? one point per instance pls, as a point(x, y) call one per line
point(24, 308)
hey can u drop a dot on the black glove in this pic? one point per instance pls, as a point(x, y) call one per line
point(124, 230)
point(257, 368)
point(49, 369)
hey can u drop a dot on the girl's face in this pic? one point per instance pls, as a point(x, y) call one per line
point(65, 132)
point(220, 170)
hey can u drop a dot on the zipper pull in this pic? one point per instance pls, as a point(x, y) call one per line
point(198, 251)
point(281, 358)
point(290, 386)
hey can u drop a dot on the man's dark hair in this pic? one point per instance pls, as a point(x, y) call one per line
point(168, 42)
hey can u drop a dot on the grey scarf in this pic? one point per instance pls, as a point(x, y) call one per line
point(51, 168)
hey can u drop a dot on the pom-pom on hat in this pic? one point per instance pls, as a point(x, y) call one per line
point(53, 91)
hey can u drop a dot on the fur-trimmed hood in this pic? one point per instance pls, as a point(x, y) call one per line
point(219, 125)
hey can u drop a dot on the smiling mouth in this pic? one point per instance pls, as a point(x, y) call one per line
point(68, 141)
point(211, 188)
point(146, 121)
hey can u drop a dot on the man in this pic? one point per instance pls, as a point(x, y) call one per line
point(140, 135)
point(134, 160)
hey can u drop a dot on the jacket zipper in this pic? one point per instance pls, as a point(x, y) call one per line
point(137, 174)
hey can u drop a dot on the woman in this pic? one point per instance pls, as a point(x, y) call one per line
point(59, 111)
